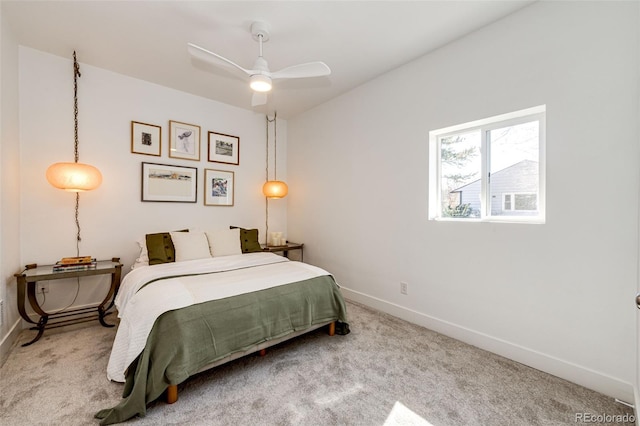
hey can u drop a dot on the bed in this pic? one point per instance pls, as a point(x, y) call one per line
point(182, 317)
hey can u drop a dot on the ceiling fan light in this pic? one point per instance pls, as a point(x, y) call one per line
point(260, 83)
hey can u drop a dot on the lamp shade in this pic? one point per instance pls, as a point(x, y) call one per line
point(74, 177)
point(275, 189)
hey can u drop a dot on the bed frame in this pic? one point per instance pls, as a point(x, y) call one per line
point(261, 348)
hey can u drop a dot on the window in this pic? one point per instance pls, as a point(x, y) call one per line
point(491, 169)
point(527, 202)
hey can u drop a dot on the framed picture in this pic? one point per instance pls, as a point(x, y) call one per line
point(146, 138)
point(184, 141)
point(162, 182)
point(218, 188)
point(224, 148)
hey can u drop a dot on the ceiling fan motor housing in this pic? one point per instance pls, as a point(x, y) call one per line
point(259, 29)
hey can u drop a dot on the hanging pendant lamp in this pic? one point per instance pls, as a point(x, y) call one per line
point(274, 188)
point(74, 177)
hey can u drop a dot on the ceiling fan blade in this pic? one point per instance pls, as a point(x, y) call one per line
point(207, 56)
point(258, 98)
point(310, 69)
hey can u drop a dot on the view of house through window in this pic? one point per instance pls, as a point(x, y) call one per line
point(490, 169)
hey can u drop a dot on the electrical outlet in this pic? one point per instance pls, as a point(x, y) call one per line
point(404, 287)
point(43, 287)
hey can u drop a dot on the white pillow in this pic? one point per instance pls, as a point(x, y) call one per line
point(190, 245)
point(224, 242)
point(143, 257)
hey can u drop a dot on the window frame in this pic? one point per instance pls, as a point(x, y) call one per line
point(484, 126)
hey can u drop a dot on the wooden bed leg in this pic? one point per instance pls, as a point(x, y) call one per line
point(172, 394)
point(263, 352)
point(332, 328)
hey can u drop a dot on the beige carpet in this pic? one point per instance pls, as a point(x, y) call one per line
point(386, 372)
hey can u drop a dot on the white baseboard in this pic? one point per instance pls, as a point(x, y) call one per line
point(7, 343)
point(583, 376)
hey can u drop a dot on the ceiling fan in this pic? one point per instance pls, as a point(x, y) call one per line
point(260, 78)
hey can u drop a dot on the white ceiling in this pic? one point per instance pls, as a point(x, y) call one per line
point(359, 40)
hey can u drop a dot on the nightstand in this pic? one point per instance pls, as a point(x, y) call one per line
point(33, 273)
point(285, 249)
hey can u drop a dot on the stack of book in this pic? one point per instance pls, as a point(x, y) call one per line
point(80, 263)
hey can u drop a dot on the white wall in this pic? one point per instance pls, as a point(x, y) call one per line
point(9, 188)
point(555, 296)
point(112, 217)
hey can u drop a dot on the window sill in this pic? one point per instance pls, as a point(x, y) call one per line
point(532, 221)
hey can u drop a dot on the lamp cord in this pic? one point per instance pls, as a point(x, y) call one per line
point(266, 199)
point(266, 169)
point(275, 145)
point(78, 239)
point(76, 74)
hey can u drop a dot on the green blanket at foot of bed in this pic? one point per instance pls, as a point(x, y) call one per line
point(185, 340)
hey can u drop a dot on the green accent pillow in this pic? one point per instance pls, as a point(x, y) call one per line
point(248, 240)
point(160, 248)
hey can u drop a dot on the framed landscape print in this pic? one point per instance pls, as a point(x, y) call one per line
point(184, 141)
point(162, 182)
point(224, 148)
point(218, 187)
point(146, 139)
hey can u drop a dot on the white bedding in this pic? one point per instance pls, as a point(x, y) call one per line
point(139, 306)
